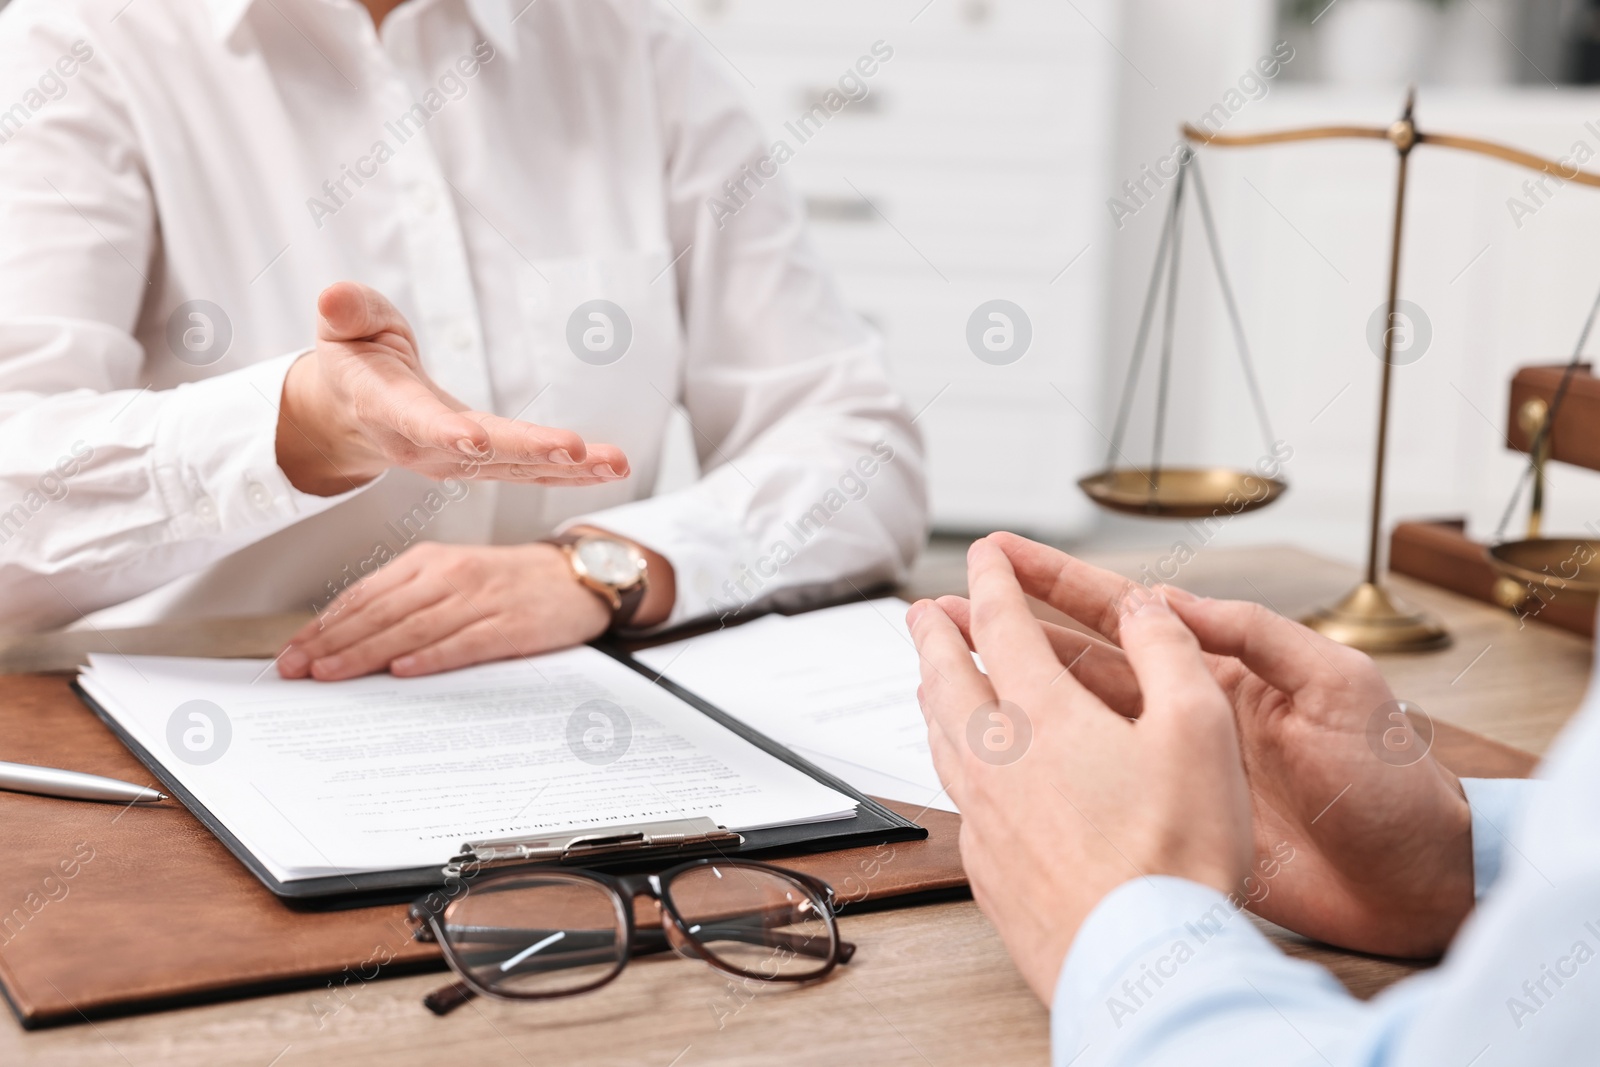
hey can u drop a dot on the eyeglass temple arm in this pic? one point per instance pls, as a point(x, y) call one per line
point(446, 999)
point(797, 943)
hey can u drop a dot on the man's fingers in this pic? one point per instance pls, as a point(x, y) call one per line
point(418, 630)
point(514, 473)
point(1004, 632)
point(1090, 594)
point(515, 441)
point(1193, 741)
point(1100, 666)
point(952, 686)
point(404, 415)
point(1179, 690)
point(530, 473)
point(476, 643)
point(372, 615)
point(370, 588)
point(608, 456)
point(1284, 653)
point(495, 448)
point(946, 756)
point(350, 311)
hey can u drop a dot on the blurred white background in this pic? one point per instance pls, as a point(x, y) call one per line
point(983, 166)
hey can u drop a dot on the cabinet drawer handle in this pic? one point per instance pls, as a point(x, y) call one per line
point(839, 209)
point(871, 104)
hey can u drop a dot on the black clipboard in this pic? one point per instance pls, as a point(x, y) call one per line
point(872, 824)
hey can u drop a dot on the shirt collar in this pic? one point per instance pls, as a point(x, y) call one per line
point(493, 18)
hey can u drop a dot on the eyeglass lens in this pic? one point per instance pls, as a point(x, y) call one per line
point(537, 935)
point(751, 920)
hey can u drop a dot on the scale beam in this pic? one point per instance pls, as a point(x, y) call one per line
point(1474, 145)
point(1306, 133)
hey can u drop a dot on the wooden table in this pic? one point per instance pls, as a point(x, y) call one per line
point(930, 985)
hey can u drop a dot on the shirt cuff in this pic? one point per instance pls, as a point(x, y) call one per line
point(1496, 804)
point(698, 540)
point(216, 457)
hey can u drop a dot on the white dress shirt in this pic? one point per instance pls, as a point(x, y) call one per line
point(492, 167)
point(1167, 972)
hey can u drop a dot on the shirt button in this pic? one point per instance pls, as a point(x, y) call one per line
point(206, 509)
point(427, 199)
point(258, 495)
point(461, 339)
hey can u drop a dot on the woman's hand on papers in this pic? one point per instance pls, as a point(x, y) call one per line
point(1062, 799)
point(360, 403)
point(437, 607)
point(1362, 839)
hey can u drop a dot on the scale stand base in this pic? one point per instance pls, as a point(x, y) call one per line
point(1370, 619)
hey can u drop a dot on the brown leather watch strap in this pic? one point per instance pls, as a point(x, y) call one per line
point(629, 600)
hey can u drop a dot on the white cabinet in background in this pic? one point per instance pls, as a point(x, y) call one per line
point(973, 171)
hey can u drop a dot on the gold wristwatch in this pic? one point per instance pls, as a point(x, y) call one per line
point(613, 569)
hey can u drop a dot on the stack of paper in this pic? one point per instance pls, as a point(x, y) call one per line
point(383, 773)
point(839, 686)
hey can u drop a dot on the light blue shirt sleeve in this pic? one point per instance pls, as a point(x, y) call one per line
point(1496, 803)
point(1168, 972)
point(1165, 971)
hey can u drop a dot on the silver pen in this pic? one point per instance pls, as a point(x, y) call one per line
point(73, 785)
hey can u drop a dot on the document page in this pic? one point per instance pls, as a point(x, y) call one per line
point(385, 773)
point(838, 685)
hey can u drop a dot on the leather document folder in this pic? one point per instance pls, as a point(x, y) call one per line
point(107, 910)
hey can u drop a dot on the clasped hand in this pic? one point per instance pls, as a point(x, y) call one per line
point(1195, 738)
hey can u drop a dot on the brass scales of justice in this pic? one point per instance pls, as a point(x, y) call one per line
point(1369, 617)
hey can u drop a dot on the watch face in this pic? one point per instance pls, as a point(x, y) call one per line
point(612, 562)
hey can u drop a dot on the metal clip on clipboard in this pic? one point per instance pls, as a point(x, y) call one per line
point(672, 835)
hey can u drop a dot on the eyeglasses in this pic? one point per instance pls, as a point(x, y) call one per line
point(537, 934)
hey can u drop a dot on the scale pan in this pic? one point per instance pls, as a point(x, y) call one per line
point(1182, 492)
point(1567, 563)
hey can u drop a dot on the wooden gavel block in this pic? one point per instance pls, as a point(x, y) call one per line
point(1576, 436)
